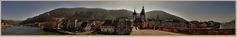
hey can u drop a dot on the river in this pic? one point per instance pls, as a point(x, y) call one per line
point(25, 30)
point(28, 30)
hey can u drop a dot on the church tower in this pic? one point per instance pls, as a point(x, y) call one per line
point(140, 21)
point(134, 14)
point(142, 15)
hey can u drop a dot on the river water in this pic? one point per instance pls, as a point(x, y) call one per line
point(28, 30)
point(25, 30)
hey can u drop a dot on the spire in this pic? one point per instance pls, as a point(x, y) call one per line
point(143, 11)
point(134, 12)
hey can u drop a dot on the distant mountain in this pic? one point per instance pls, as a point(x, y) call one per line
point(11, 22)
point(8, 23)
point(93, 13)
point(231, 22)
point(228, 25)
point(162, 15)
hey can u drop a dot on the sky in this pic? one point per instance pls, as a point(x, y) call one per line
point(220, 11)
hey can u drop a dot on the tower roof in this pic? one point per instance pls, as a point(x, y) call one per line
point(143, 11)
point(134, 12)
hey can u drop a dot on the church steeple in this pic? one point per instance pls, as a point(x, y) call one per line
point(143, 11)
point(142, 15)
point(134, 12)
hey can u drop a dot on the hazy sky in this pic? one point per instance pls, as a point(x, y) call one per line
point(221, 11)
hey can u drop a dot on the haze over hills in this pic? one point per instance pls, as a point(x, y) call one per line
point(95, 13)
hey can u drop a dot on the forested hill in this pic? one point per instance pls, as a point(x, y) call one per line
point(94, 13)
